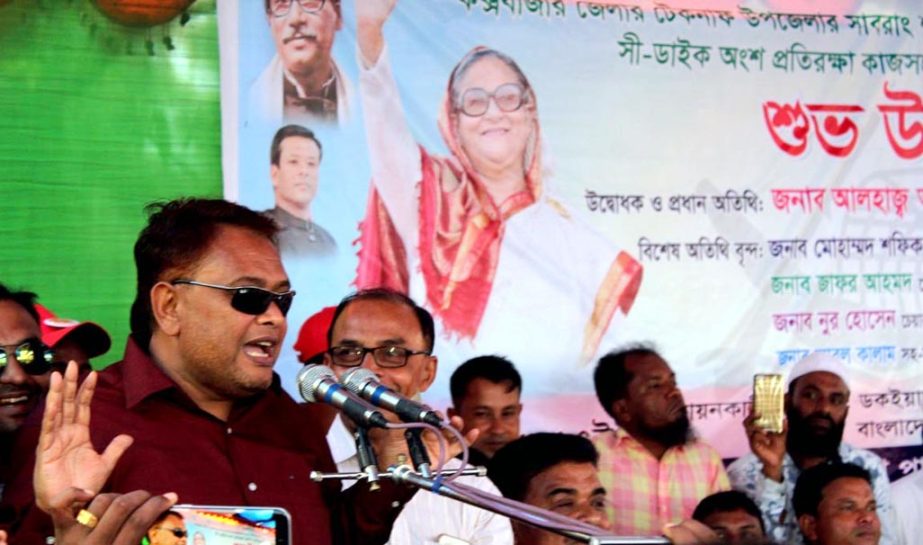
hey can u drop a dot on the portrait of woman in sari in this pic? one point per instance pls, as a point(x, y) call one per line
point(475, 236)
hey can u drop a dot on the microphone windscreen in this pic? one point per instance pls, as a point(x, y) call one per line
point(355, 379)
point(308, 378)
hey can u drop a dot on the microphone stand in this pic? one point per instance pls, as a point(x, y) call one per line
point(418, 454)
point(529, 514)
point(368, 463)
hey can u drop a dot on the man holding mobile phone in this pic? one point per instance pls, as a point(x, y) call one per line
point(816, 406)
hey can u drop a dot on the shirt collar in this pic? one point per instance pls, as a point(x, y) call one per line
point(286, 220)
point(622, 437)
point(141, 375)
point(340, 440)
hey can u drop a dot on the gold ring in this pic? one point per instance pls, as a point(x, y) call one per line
point(87, 519)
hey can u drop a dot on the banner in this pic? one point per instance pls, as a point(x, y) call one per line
point(739, 185)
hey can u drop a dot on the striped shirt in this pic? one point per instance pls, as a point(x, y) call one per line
point(646, 493)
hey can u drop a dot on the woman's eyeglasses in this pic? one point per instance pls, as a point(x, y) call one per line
point(509, 97)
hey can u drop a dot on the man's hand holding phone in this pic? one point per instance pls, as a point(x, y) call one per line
point(768, 412)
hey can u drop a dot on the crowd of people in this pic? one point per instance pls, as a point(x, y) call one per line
point(195, 412)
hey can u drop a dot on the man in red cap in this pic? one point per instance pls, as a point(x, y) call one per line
point(72, 340)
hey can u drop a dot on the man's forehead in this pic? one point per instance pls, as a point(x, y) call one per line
point(645, 366)
point(823, 380)
point(851, 488)
point(299, 142)
point(378, 318)
point(485, 391)
point(241, 256)
point(581, 477)
point(738, 516)
point(16, 324)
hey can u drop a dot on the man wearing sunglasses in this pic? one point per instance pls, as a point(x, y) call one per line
point(197, 394)
point(24, 360)
point(168, 529)
point(390, 335)
point(302, 83)
point(25, 364)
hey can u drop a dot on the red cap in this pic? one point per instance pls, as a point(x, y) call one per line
point(312, 338)
point(92, 337)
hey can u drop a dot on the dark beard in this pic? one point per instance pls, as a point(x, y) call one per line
point(804, 440)
point(669, 435)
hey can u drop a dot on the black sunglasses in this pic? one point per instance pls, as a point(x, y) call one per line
point(249, 299)
point(33, 356)
point(177, 532)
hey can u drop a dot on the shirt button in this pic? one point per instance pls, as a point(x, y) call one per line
point(230, 431)
point(395, 504)
point(252, 487)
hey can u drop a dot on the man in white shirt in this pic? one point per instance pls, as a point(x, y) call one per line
point(390, 335)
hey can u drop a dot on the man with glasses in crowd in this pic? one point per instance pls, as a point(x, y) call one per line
point(387, 333)
point(197, 392)
point(302, 82)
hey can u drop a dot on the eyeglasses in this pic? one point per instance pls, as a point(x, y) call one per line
point(178, 532)
point(281, 8)
point(33, 356)
point(249, 299)
point(509, 97)
point(385, 356)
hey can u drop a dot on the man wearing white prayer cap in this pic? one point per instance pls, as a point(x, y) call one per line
point(816, 406)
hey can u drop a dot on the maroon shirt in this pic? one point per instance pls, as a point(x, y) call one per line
point(262, 456)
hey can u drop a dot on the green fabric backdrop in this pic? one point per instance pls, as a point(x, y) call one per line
point(93, 127)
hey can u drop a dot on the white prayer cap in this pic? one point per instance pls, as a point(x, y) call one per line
point(819, 361)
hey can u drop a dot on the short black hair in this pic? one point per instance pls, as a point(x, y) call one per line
point(25, 299)
point(809, 490)
point(178, 233)
point(288, 131)
point(725, 502)
point(611, 377)
point(427, 327)
point(495, 369)
point(514, 466)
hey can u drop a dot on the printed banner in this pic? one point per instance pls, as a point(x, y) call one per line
point(739, 185)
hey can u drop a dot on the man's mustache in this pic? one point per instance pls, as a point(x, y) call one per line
point(298, 35)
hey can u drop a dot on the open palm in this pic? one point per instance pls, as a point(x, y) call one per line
point(65, 457)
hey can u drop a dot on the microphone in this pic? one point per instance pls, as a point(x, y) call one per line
point(318, 383)
point(364, 383)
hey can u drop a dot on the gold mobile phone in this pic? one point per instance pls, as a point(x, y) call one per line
point(768, 401)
